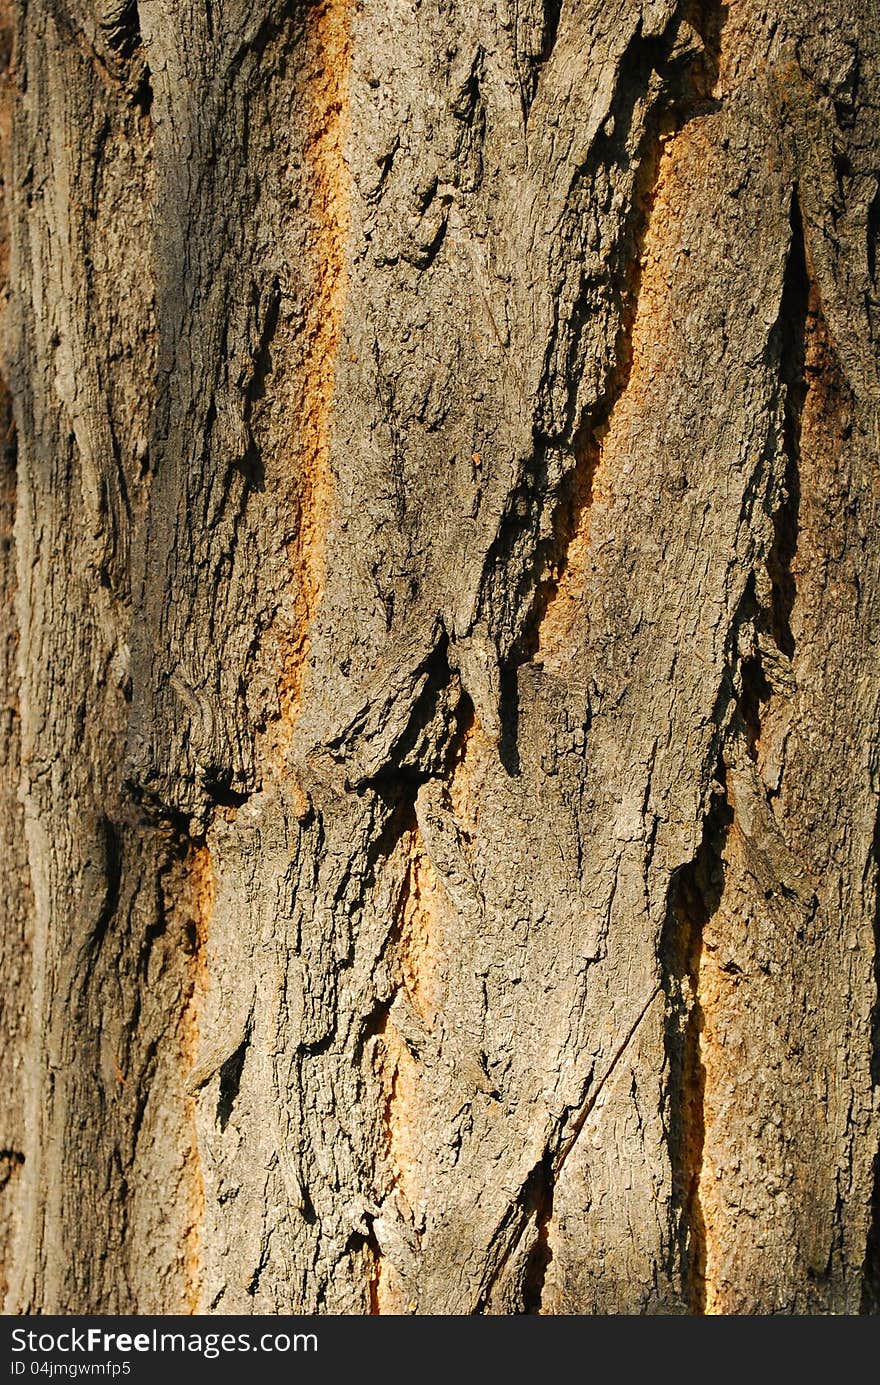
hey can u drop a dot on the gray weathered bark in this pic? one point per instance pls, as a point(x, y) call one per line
point(440, 652)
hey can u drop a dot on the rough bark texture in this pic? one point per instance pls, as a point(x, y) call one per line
point(440, 765)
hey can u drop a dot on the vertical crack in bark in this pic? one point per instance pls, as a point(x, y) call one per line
point(790, 345)
point(816, 417)
point(827, 399)
point(327, 63)
point(199, 901)
point(797, 298)
point(704, 1000)
point(552, 15)
point(690, 984)
point(539, 1203)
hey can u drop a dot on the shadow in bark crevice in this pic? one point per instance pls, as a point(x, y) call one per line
point(539, 1201)
point(230, 1082)
point(789, 341)
point(694, 897)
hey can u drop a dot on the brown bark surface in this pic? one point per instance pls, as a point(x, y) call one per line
point(439, 620)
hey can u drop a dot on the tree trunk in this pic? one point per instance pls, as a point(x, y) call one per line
point(439, 634)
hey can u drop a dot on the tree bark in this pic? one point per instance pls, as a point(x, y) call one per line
point(439, 631)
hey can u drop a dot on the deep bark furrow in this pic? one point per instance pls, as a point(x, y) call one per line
point(695, 898)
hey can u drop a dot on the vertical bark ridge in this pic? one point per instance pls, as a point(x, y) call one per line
point(420, 926)
point(81, 353)
point(714, 1006)
point(327, 61)
point(601, 444)
point(399, 1080)
point(870, 1296)
point(725, 902)
point(201, 892)
point(604, 440)
point(816, 419)
point(417, 962)
point(15, 895)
